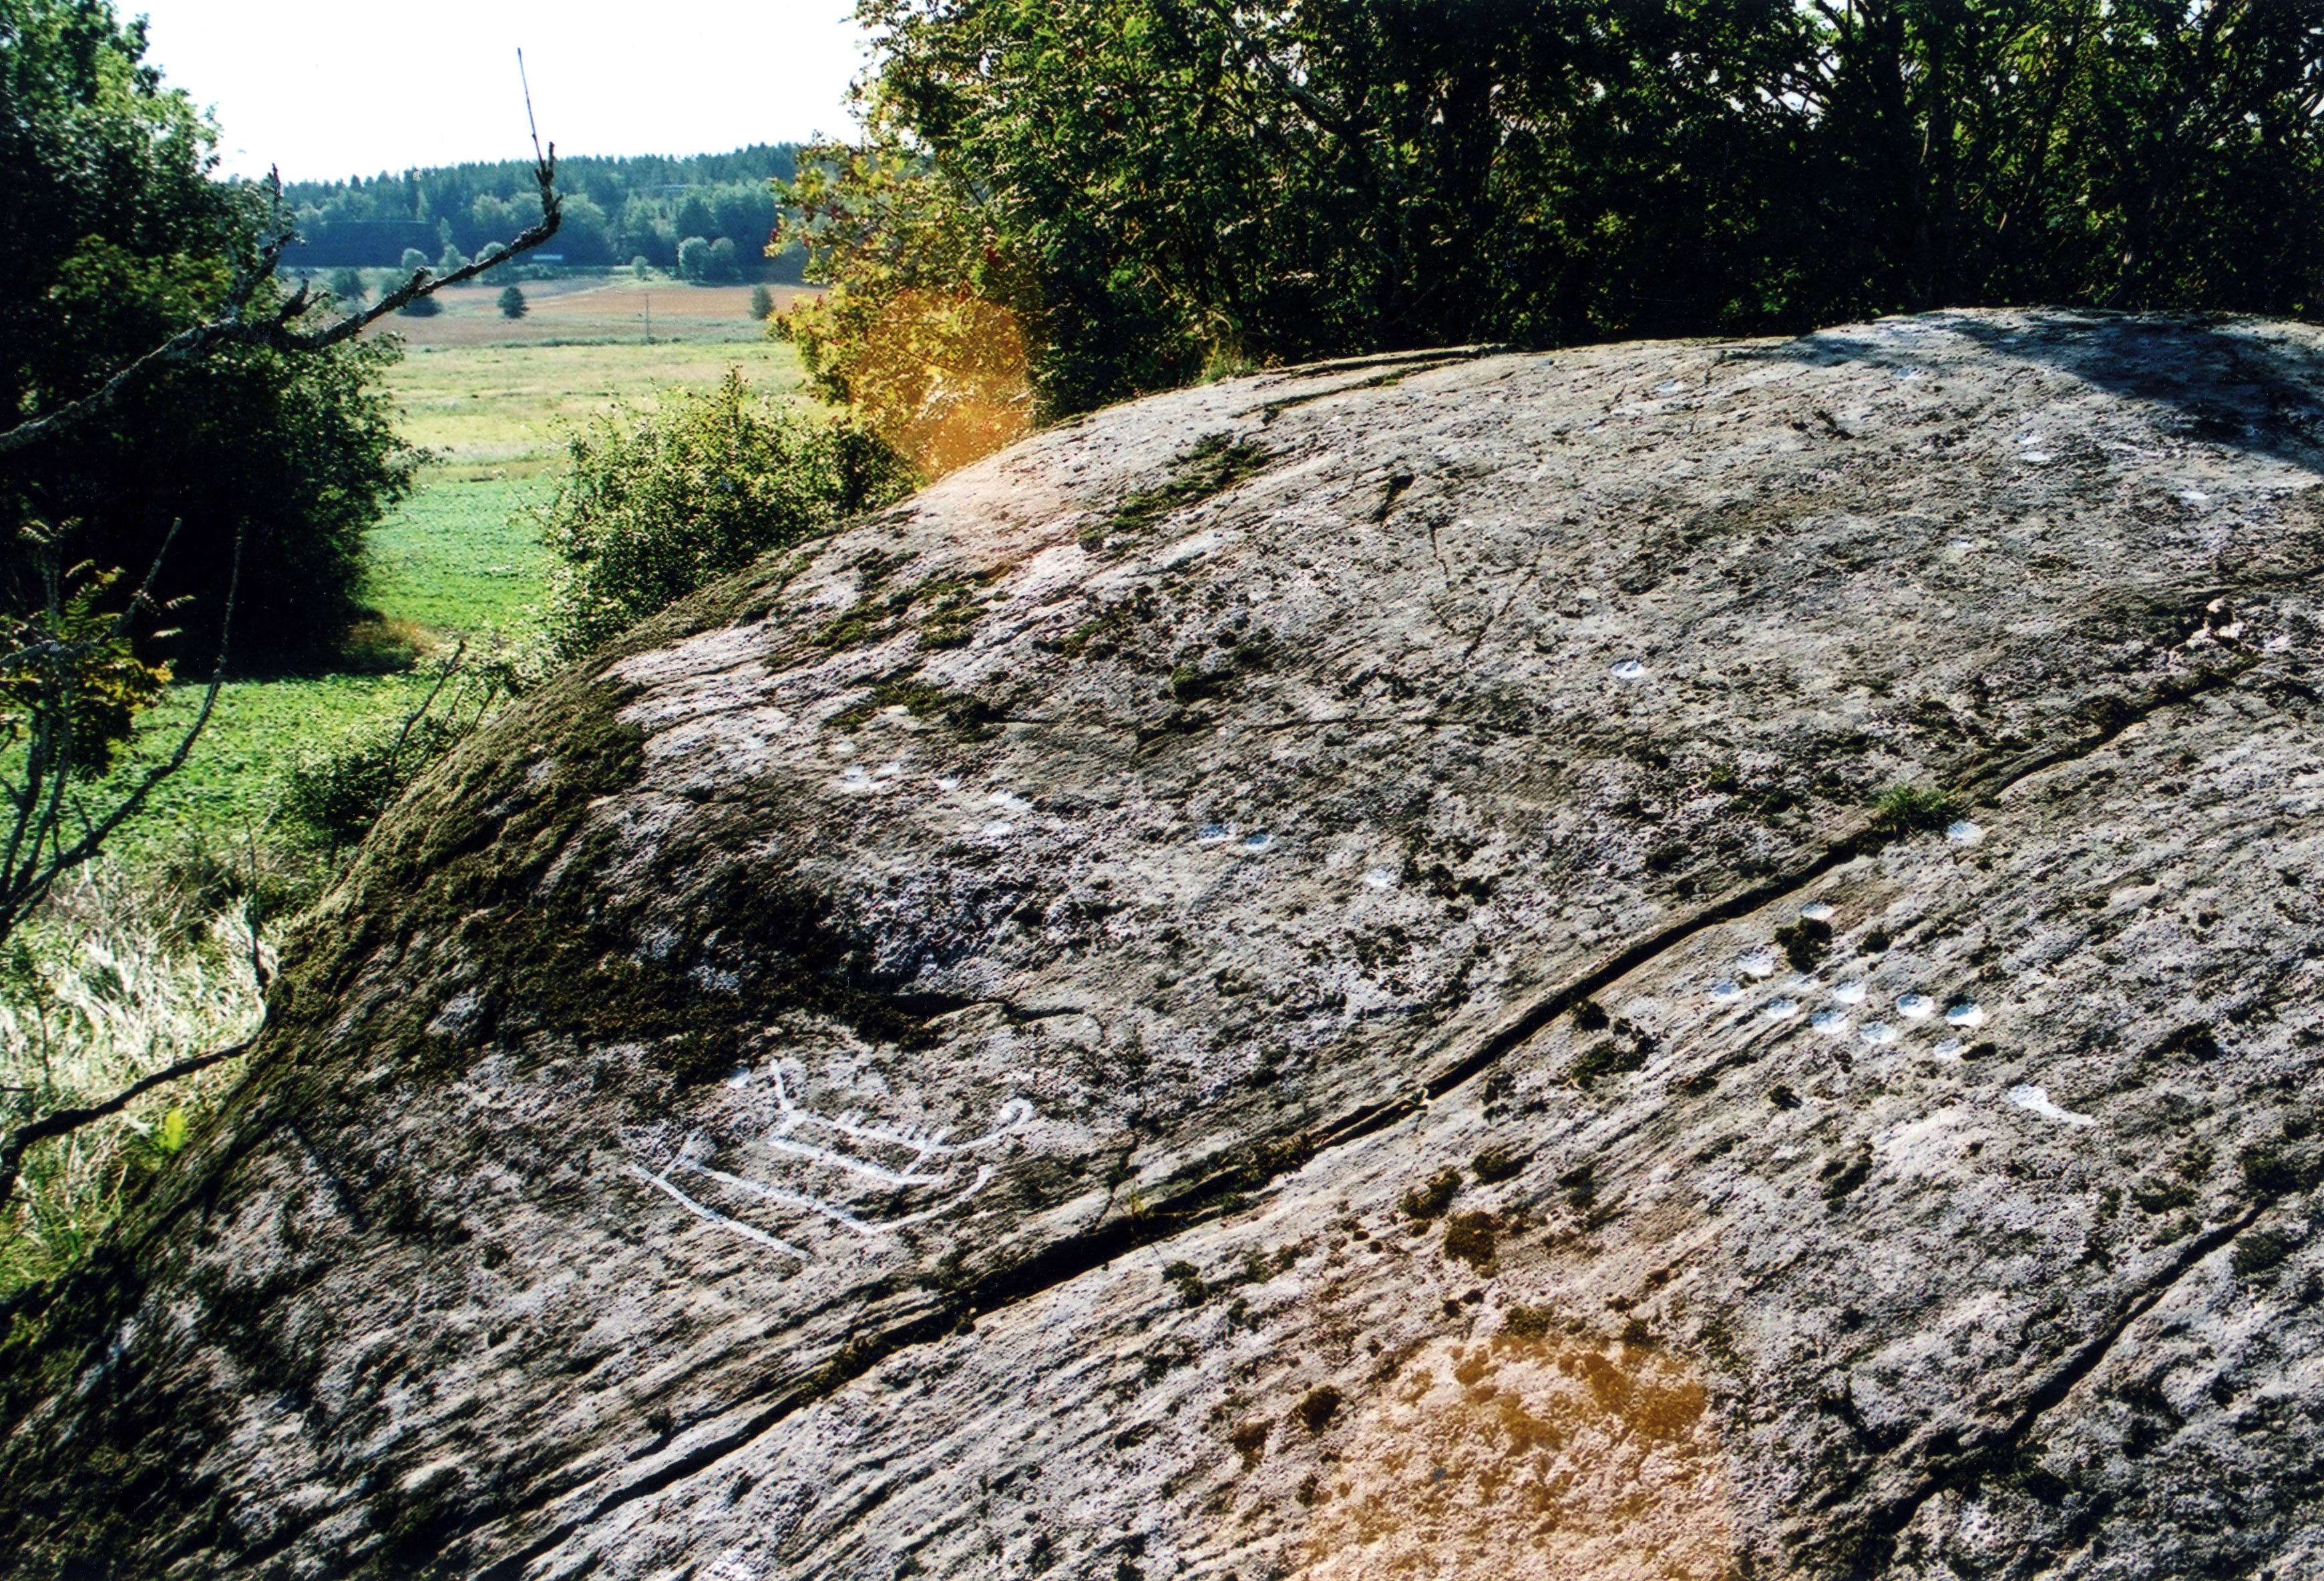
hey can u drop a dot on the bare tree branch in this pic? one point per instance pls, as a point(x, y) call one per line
point(59, 1121)
point(234, 324)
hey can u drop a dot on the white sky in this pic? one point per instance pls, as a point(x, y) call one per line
point(342, 89)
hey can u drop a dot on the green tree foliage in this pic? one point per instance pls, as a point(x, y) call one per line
point(1164, 184)
point(694, 259)
point(71, 669)
point(615, 209)
point(117, 239)
point(511, 303)
point(694, 217)
point(586, 238)
point(347, 286)
point(762, 302)
point(926, 336)
point(657, 505)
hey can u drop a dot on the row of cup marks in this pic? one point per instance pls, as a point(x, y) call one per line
point(1838, 1019)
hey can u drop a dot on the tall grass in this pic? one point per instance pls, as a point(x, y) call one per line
point(123, 973)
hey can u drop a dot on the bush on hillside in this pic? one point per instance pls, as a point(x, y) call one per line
point(657, 505)
point(1154, 189)
point(335, 798)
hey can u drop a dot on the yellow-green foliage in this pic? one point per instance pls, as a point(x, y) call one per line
point(926, 336)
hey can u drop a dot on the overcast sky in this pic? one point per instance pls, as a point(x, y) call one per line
point(342, 89)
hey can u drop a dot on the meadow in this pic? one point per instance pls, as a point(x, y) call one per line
point(490, 400)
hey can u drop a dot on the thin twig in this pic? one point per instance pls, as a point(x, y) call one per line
point(58, 1122)
point(144, 597)
point(444, 676)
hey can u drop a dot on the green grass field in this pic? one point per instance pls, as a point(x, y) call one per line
point(460, 559)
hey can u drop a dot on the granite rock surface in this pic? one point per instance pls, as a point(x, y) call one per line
point(1688, 959)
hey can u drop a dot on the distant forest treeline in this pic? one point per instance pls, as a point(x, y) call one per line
point(616, 210)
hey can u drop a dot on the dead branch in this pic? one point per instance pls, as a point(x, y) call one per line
point(60, 1122)
point(276, 328)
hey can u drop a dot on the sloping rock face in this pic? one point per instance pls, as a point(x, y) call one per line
point(1667, 960)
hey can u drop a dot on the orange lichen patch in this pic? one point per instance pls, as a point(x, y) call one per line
point(1529, 1460)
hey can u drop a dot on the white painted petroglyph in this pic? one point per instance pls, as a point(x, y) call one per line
point(934, 1159)
point(2036, 1100)
point(720, 1220)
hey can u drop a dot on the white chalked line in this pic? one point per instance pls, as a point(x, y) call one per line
point(696, 1209)
point(869, 1231)
point(924, 1144)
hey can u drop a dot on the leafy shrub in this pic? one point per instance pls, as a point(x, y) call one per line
point(337, 797)
point(657, 505)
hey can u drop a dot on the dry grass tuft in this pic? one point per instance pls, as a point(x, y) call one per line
point(117, 978)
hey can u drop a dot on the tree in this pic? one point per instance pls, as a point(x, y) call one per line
point(722, 264)
point(694, 260)
point(347, 285)
point(116, 239)
point(694, 217)
point(414, 260)
point(72, 678)
point(762, 302)
point(587, 238)
point(511, 302)
point(1151, 186)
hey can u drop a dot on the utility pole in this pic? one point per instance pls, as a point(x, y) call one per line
point(649, 319)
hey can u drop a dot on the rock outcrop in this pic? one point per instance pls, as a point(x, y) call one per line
point(1665, 961)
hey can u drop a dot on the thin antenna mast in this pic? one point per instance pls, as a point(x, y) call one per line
point(531, 124)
